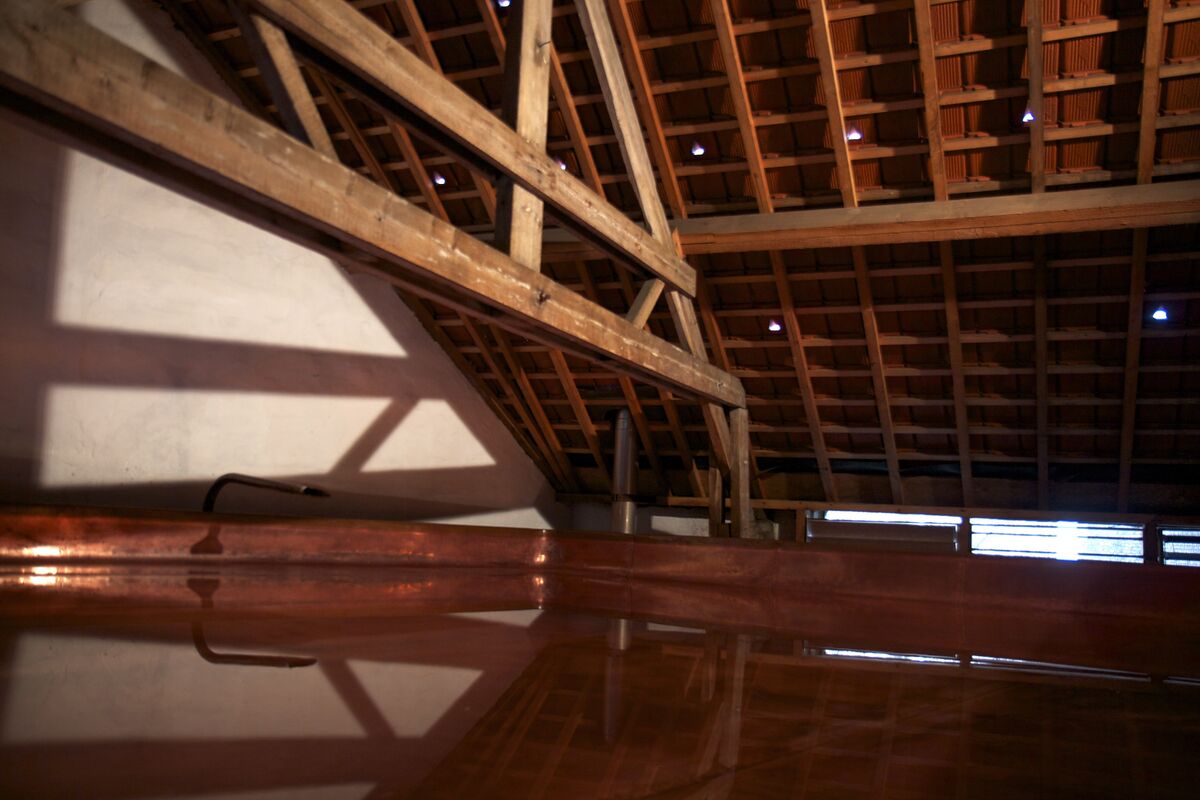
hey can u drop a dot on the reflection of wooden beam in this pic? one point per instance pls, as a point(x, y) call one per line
point(386, 67)
point(53, 59)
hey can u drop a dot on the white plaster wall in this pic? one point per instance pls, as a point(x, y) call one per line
point(149, 343)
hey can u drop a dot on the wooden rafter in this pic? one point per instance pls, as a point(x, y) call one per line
point(644, 95)
point(958, 381)
point(741, 103)
point(1036, 69)
point(1152, 63)
point(823, 45)
point(280, 71)
point(878, 375)
point(295, 188)
point(1041, 365)
point(1147, 141)
point(1133, 350)
point(812, 412)
point(606, 60)
point(931, 96)
point(381, 65)
point(1082, 210)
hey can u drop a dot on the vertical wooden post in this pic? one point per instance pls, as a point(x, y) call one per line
point(741, 516)
point(716, 502)
point(1152, 542)
point(526, 105)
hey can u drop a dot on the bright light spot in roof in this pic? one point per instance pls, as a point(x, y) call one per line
point(561, 164)
point(877, 655)
point(439, 179)
point(1160, 314)
point(853, 135)
point(886, 516)
point(1028, 117)
point(774, 327)
point(504, 3)
point(697, 149)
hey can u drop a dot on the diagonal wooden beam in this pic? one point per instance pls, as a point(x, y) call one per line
point(1151, 86)
point(1147, 141)
point(1037, 76)
point(544, 426)
point(640, 423)
point(636, 69)
point(954, 347)
point(579, 408)
point(727, 40)
point(279, 70)
point(1133, 350)
point(72, 76)
point(228, 75)
point(606, 60)
point(878, 375)
point(931, 95)
point(526, 108)
point(1041, 359)
point(380, 65)
point(812, 412)
point(823, 46)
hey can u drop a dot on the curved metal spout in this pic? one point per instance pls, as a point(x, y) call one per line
point(210, 499)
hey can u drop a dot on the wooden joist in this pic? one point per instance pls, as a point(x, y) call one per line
point(54, 60)
point(383, 66)
point(1081, 210)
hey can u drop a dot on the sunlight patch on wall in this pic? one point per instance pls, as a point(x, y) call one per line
point(66, 688)
point(139, 258)
point(101, 436)
point(431, 436)
point(413, 697)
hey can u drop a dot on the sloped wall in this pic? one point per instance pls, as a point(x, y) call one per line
point(150, 344)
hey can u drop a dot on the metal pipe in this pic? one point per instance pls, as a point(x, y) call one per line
point(210, 499)
point(624, 512)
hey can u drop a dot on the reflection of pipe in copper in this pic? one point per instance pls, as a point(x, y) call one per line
point(205, 588)
point(624, 520)
point(210, 544)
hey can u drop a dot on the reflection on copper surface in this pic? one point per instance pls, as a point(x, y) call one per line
point(443, 683)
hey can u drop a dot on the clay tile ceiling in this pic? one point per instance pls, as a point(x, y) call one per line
point(1018, 375)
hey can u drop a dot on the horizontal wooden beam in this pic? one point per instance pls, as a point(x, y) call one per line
point(57, 68)
point(391, 72)
point(1074, 211)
